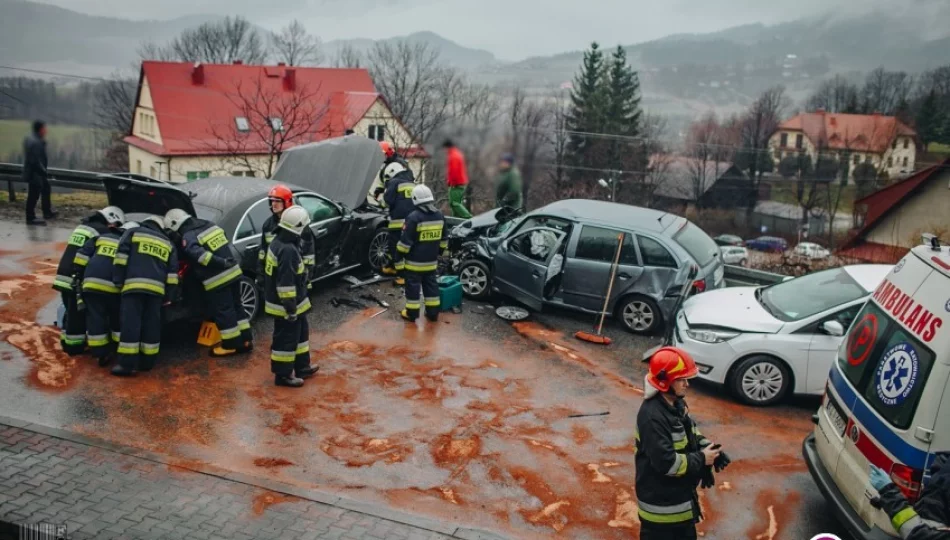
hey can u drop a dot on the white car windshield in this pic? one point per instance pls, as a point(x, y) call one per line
point(809, 295)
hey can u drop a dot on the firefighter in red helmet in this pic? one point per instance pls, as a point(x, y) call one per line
point(280, 198)
point(673, 457)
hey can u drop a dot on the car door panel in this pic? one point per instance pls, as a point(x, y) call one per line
point(590, 256)
point(327, 227)
point(823, 348)
point(246, 237)
point(519, 271)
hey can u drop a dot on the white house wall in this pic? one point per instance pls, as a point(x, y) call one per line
point(921, 213)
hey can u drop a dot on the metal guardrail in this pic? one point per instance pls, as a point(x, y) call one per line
point(739, 276)
point(64, 178)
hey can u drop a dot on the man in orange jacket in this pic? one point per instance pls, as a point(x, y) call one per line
point(457, 179)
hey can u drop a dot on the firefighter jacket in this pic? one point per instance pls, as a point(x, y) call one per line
point(100, 252)
point(71, 262)
point(146, 262)
point(669, 463)
point(423, 239)
point(206, 245)
point(928, 519)
point(285, 277)
point(398, 198)
point(307, 246)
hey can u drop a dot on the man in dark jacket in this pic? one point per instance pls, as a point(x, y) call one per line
point(508, 186)
point(67, 280)
point(423, 239)
point(206, 246)
point(398, 197)
point(929, 517)
point(145, 269)
point(281, 198)
point(285, 298)
point(35, 174)
point(672, 457)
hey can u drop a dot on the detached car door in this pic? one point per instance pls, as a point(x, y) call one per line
point(520, 265)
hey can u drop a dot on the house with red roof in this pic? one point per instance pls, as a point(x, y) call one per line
point(883, 141)
point(195, 120)
point(895, 217)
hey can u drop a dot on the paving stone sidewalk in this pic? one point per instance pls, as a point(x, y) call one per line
point(101, 493)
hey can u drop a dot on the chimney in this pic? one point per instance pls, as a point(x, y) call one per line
point(290, 79)
point(239, 62)
point(198, 74)
point(281, 64)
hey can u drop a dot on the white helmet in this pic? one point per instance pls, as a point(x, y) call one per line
point(155, 219)
point(174, 218)
point(392, 169)
point(421, 194)
point(294, 219)
point(113, 214)
point(129, 225)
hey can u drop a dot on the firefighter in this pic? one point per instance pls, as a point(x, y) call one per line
point(99, 293)
point(672, 457)
point(379, 185)
point(285, 297)
point(398, 197)
point(281, 198)
point(145, 270)
point(929, 517)
point(206, 246)
point(73, 337)
point(423, 239)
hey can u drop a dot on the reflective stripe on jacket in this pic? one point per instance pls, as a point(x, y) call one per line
point(285, 279)
point(926, 520)
point(307, 245)
point(100, 252)
point(207, 246)
point(72, 261)
point(146, 262)
point(423, 239)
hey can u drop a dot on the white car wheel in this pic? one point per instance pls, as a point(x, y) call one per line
point(761, 380)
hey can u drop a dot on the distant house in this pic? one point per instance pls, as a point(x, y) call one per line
point(884, 141)
point(687, 183)
point(895, 217)
point(194, 120)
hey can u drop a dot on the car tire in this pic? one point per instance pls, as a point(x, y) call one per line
point(377, 251)
point(760, 380)
point(639, 314)
point(250, 297)
point(475, 277)
point(743, 262)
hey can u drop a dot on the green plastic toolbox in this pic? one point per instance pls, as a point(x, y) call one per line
point(450, 292)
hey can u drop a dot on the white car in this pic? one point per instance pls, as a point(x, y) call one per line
point(811, 251)
point(764, 342)
point(734, 255)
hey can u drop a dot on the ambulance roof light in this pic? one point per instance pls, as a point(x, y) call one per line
point(932, 240)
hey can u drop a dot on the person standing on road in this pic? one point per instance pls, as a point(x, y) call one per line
point(457, 179)
point(285, 297)
point(206, 246)
point(282, 198)
point(398, 197)
point(145, 270)
point(929, 517)
point(672, 455)
point(67, 280)
point(423, 239)
point(508, 186)
point(35, 174)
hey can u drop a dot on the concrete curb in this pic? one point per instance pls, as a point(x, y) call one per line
point(315, 495)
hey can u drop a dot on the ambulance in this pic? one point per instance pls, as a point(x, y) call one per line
point(886, 402)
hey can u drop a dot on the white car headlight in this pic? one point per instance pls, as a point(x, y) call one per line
point(711, 336)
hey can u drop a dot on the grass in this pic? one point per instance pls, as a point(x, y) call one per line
point(59, 136)
point(938, 148)
point(785, 192)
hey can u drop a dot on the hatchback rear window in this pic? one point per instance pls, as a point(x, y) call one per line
point(697, 243)
point(886, 365)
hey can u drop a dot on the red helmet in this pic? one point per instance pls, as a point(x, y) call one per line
point(669, 364)
point(281, 193)
point(387, 149)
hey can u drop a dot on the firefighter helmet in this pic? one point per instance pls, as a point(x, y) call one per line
point(387, 149)
point(421, 194)
point(283, 194)
point(294, 219)
point(174, 218)
point(129, 225)
point(112, 214)
point(669, 364)
point(392, 169)
point(158, 220)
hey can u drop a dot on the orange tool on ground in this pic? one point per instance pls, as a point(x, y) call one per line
point(598, 337)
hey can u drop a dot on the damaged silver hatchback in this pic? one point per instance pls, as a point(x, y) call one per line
point(561, 256)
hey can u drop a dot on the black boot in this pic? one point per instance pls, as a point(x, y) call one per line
point(122, 371)
point(245, 347)
point(307, 372)
point(432, 317)
point(146, 365)
point(288, 380)
point(105, 360)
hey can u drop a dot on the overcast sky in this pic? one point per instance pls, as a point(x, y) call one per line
point(511, 29)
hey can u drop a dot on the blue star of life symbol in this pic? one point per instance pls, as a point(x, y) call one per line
point(895, 373)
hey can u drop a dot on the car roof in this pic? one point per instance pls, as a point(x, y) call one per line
point(868, 276)
point(610, 213)
point(224, 193)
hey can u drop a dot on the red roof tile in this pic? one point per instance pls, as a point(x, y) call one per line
point(858, 132)
point(871, 252)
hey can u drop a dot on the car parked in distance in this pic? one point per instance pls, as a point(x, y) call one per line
point(734, 255)
point(728, 240)
point(763, 343)
point(770, 244)
point(810, 250)
point(659, 251)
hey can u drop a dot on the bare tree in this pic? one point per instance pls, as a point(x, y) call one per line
point(754, 130)
point(560, 145)
point(149, 50)
point(529, 122)
point(702, 145)
point(115, 107)
point(886, 92)
point(219, 42)
point(836, 95)
point(348, 57)
point(295, 46)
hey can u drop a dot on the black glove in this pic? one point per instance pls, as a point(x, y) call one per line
point(291, 317)
point(722, 461)
point(378, 191)
point(225, 262)
point(707, 480)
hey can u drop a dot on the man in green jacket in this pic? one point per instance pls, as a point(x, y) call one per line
point(508, 184)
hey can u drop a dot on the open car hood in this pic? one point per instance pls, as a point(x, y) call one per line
point(341, 169)
point(143, 197)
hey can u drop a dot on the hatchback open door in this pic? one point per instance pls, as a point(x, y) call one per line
point(521, 264)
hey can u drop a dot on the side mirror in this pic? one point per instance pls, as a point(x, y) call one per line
point(833, 328)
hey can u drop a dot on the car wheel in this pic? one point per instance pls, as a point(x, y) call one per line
point(250, 297)
point(743, 262)
point(475, 278)
point(378, 253)
point(639, 314)
point(761, 380)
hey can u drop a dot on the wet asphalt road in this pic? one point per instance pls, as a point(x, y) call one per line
point(463, 421)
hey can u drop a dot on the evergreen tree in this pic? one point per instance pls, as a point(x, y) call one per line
point(928, 119)
point(586, 113)
point(623, 97)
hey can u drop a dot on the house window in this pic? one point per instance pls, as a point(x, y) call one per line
point(377, 132)
point(242, 124)
point(868, 158)
point(890, 162)
point(894, 145)
point(906, 144)
point(857, 159)
point(905, 161)
point(138, 166)
point(783, 140)
point(248, 174)
point(194, 175)
point(276, 124)
point(151, 172)
point(798, 141)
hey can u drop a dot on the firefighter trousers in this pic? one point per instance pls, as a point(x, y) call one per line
point(102, 322)
point(422, 288)
point(396, 259)
point(73, 336)
point(141, 333)
point(680, 531)
point(229, 316)
point(290, 348)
